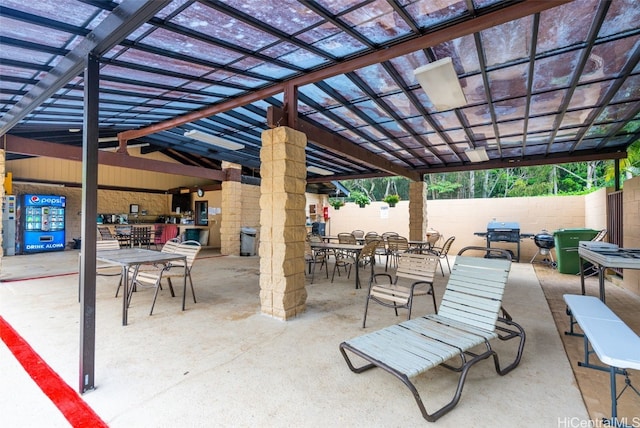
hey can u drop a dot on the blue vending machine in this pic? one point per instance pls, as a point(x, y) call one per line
point(40, 223)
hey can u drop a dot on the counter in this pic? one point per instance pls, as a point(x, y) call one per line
point(162, 232)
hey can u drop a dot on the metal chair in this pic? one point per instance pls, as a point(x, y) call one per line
point(141, 236)
point(348, 259)
point(442, 252)
point(154, 277)
point(418, 268)
point(359, 234)
point(396, 245)
point(123, 235)
point(105, 233)
point(312, 258)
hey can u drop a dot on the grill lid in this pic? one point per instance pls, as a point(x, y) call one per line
point(544, 240)
point(503, 226)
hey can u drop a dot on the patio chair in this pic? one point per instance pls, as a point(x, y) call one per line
point(123, 235)
point(154, 277)
point(589, 269)
point(169, 247)
point(141, 236)
point(348, 259)
point(105, 233)
point(433, 237)
point(396, 245)
point(312, 258)
point(344, 257)
point(158, 235)
point(106, 269)
point(469, 317)
point(418, 268)
point(443, 252)
point(359, 234)
point(103, 269)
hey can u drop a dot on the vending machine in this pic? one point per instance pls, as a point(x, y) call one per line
point(40, 221)
point(9, 225)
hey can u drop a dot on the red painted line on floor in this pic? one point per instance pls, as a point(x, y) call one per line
point(72, 406)
point(75, 273)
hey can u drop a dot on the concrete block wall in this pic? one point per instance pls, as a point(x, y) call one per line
point(462, 217)
point(109, 201)
point(631, 229)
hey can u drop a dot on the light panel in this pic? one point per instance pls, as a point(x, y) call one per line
point(477, 155)
point(320, 171)
point(213, 140)
point(440, 82)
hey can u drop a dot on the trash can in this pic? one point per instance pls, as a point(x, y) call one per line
point(192, 235)
point(566, 242)
point(247, 241)
point(317, 228)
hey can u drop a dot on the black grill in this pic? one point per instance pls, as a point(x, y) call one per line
point(503, 231)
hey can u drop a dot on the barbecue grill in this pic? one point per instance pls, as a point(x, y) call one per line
point(500, 231)
point(545, 243)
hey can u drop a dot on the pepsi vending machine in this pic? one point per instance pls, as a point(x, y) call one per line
point(40, 223)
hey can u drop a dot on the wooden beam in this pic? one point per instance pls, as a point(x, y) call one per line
point(30, 147)
point(334, 142)
point(464, 28)
point(533, 161)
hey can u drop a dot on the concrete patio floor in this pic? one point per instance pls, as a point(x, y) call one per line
point(222, 363)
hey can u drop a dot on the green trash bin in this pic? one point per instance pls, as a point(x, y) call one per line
point(192, 235)
point(566, 242)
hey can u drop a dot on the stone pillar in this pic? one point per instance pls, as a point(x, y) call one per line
point(417, 210)
point(230, 224)
point(282, 222)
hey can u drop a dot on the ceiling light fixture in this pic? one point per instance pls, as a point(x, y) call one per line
point(129, 146)
point(440, 82)
point(320, 171)
point(107, 139)
point(213, 140)
point(477, 155)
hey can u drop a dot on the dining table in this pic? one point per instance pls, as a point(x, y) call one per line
point(329, 238)
point(355, 248)
point(130, 260)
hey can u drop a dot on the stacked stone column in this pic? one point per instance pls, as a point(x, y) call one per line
point(417, 210)
point(231, 221)
point(282, 222)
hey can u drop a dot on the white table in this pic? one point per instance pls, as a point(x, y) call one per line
point(133, 258)
point(625, 258)
point(612, 340)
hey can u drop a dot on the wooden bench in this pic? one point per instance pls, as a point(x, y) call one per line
point(418, 268)
point(468, 317)
point(610, 338)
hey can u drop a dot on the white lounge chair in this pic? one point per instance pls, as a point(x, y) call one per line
point(468, 318)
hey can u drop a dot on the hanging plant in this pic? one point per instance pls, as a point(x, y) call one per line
point(392, 200)
point(360, 198)
point(336, 203)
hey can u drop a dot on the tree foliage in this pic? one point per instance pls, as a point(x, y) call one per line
point(562, 179)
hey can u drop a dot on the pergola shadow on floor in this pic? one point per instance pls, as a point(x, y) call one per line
point(221, 362)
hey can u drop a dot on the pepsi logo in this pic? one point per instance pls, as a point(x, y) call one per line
point(35, 199)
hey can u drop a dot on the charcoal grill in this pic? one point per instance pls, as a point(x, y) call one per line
point(545, 243)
